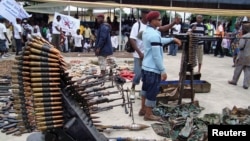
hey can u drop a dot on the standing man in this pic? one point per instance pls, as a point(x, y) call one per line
point(199, 29)
point(174, 47)
point(3, 37)
point(242, 62)
point(26, 27)
point(153, 70)
point(87, 33)
point(138, 46)
point(211, 31)
point(18, 35)
point(220, 33)
point(56, 32)
point(103, 46)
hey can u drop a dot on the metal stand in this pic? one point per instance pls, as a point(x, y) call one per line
point(185, 66)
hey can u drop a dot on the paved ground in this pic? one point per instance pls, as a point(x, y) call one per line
point(215, 70)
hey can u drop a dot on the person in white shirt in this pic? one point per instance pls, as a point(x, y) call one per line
point(174, 47)
point(18, 35)
point(9, 33)
point(25, 29)
point(137, 44)
point(114, 41)
point(3, 37)
point(226, 44)
point(36, 32)
point(86, 46)
point(56, 31)
point(49, 36)
point(78, 41)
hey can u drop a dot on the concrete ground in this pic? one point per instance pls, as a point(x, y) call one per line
point(215, 70)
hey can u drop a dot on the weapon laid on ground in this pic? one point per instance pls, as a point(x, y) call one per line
point(95, 109)
point(102, 100)
point(133, 139)
point(99, 94)
point(95, 89)
point(79, 81)
point(90, 84)
point(132, 127)
point(6, 94)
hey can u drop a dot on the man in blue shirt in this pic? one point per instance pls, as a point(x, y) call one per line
point(103, 46)
point(153, 70)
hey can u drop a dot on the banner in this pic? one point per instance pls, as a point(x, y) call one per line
point(68, 23)
point(11, 10)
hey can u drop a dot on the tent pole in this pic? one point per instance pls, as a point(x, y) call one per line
point(120, 28)
point(217, 19)
point(170, 19)
point(184, 20)
point(69, 10)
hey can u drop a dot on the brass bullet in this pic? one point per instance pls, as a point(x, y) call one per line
point(46, 104)
point(43, 53)
point(44, 48)
point(40, 58)
point(48, 108)
point(45, 89)
point(48, 127)
point(46, 99)
point(20, 67)
point(49, 122)
point(49, 113)
point(46, 94)
point(43, 64)
point(45, 79)
point(44, 69)
point(44, 74)
point(42, 118)
point(45, 84)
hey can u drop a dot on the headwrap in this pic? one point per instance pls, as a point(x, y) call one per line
point(152, 15)
point(100, 15)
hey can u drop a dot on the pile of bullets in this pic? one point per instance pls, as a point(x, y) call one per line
point(193, 43)
point(36, 86)
point(46, 97)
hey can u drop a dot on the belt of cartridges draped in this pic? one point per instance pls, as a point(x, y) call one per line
point(36, 86)
point(47, 99)
point(39, 80)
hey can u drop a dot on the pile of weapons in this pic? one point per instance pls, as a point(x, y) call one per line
point(193, 43)
point(36, 86)
point(7, 121)
point(91, 92)
point(42, 90)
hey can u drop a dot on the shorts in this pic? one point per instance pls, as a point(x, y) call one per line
point(3, 45)
point(236, 51)
point(200, 53)
point(102, 62)
point(137, 71)
point(56, 41)
point(150, 87)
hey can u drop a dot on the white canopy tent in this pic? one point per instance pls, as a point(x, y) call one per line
point(210, 11)
point(51, 8)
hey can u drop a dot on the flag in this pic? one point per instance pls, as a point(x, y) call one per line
point(68, 23)
point(11, 10)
